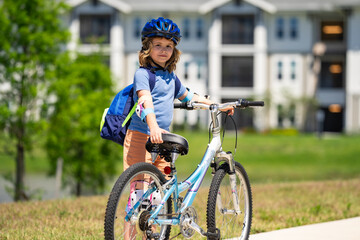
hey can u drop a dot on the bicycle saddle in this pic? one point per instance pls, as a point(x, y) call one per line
point(173, 143)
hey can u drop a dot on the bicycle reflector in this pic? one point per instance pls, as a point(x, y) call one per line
point(167, 170)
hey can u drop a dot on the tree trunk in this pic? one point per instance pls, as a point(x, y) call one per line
point(20, 168)
point(78, 188)
point(58, 178)
point(20, 148)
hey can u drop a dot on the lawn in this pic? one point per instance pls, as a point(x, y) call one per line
point(279, 158)
point(266, 158)
point(275, 206)
point(296, 180)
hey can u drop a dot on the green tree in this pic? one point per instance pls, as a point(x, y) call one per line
point(82, 91)
point(32, 36)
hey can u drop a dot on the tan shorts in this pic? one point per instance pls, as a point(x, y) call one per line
point(135, 152)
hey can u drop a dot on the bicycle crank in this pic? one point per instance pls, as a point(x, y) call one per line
point(188, 223)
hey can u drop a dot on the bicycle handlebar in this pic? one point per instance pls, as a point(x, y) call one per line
point(241, 103)
point(245, 103)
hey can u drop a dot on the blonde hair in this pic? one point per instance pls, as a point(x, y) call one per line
point(145, 60)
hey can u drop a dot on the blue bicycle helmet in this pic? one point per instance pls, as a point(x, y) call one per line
point(161, 28)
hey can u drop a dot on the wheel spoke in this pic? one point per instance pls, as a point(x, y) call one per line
point(230, 222)
point(131, 197)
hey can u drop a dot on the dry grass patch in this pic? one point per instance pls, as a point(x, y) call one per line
point(275, 206)
point(81, 218)
point(285, 205)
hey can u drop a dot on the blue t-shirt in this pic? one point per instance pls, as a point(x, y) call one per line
point(162, 97)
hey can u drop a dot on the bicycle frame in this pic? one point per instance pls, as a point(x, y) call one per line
point(146, 212)
point(193, 182)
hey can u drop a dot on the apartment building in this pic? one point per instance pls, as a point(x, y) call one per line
point(286, 52)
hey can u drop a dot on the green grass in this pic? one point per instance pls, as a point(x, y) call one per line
point(36, 160)
point(266, 158)
point(276, 158)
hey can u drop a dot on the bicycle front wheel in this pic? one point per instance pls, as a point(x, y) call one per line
point(229, 210)
point(134, 197)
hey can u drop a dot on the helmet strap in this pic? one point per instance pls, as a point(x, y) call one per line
point(158, 67)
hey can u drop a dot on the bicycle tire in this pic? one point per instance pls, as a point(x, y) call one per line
point(229, 226)
point(119, 203)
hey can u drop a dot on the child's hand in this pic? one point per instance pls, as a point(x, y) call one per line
point(155, 134)
point(230, 111)
point(205, 100)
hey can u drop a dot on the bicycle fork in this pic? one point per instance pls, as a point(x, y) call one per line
point(227, 157)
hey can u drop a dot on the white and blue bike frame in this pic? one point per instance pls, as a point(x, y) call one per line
point(213, 153)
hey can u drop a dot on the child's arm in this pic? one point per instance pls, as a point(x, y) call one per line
point(200, 99)
point(155, 130)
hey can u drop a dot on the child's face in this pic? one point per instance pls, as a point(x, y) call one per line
point(162, 50)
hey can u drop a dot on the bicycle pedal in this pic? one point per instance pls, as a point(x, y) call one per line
point(213, 236)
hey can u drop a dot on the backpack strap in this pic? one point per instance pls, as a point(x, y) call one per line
point(152, 77)
point(152, 80)
point(177, 86)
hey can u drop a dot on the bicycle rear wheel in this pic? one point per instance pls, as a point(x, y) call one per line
point(128, 207)
point(222, 216)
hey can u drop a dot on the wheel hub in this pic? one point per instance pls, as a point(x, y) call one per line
point(143, 221)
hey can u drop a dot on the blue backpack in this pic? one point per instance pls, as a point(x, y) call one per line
point(116, 119)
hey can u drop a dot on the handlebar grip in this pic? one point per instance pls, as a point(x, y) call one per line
point(182, 105)
point(256, 103)
point(245, 103)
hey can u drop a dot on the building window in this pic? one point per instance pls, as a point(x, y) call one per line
point(293, 70)
point(186, 72)
point(199, 28)
point(280, 70)
point(238, 29)
point(293, 28)
point(280, 28)
point(137, 27)
point(333, 120)
point(332, 31)
point(237, 71)
point(199, 70)
point(95, 28)
point(243, 119)
point(292, 112)
point(186, 28)
point(331, 75)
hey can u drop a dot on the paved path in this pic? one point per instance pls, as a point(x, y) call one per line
point(347, 229)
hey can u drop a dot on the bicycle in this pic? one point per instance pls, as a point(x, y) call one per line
point(144, 204)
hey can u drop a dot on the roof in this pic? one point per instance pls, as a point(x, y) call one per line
point(313, 5)
point(117, 4)
point(205, 6)
point(199, 6)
